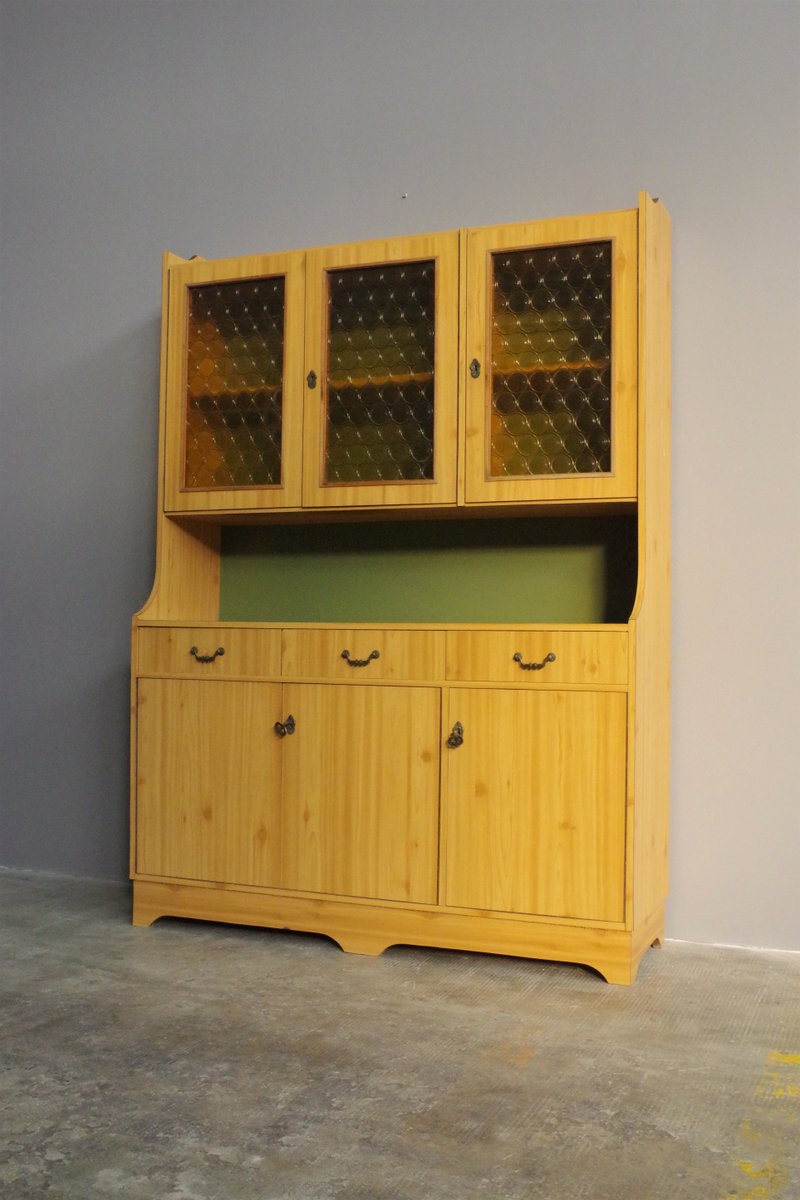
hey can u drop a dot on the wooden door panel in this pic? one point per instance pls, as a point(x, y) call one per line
point(534, 818)
point(361, 783)
point(209, 780)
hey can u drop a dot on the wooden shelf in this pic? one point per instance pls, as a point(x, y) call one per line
point(360, 382)
point(226, 402)
point(589, 364)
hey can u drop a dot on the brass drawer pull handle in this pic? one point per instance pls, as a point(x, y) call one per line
point(284, 727)
point(359, 662)
point(456, 737)
point(534, 666)
point(207, 657)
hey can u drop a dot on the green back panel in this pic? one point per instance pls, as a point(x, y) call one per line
point(484, 571)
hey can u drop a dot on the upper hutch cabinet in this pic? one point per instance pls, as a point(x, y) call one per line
point(382, 373)
point(375, 385)
point(550, 360)
point(333, 378)
point(234, 387)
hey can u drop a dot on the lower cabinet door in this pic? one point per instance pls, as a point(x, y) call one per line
point(361, 791)
point(208, 780)
point(534, 802)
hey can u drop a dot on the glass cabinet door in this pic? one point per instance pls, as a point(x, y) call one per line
point(381, 373)
point(550, 359)
point(234, 384)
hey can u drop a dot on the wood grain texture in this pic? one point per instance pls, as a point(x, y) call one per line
point(187, 574)
point(618, 227)
point(361, 787)
point(582, 656)
point(187, 556)
point(370, 928)
point(462, 365)
point(166, 651)
point(209, 781)
point(403, 654)
point(534, 803)
point(650, 623)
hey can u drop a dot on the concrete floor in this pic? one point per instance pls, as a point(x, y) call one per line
point(202, 1062)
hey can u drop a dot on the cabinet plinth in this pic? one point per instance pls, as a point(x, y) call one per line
point(485, 786)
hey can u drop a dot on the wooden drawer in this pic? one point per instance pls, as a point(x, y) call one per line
point(363, 655)
point(168, 651)
point(580, 657)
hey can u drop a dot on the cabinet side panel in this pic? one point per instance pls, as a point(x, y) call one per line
point(186, 582)
point(187, 557)
point(650, 624)
point(186, 586)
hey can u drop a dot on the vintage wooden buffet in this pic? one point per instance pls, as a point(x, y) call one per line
point(404, 673)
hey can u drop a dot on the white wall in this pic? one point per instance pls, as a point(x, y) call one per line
point(231, 127)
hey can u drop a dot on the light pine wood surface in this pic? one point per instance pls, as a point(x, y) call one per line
point(580, 657)
point(544, 833)
point(402, 654)
point(651, 618)
point(367, 927)
point(209, 781)
point(361, 787)
point(167, 651)
point(534, 803)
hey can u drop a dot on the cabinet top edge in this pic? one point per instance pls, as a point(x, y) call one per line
point(174, 260)
point(479, 510)
point(413, 626)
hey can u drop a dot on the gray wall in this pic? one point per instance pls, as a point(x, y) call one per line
point(233, 127)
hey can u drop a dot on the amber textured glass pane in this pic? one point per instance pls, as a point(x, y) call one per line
point(234, 384)
point(551, 361)
point(379, 424)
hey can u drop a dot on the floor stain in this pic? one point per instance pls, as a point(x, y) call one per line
point(767, 1172)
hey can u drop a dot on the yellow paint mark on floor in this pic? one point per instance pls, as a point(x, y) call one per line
point(765, 1173)
point(777, 1056)
point(771, 1176)
point(769, 1171)
point(775, 1086)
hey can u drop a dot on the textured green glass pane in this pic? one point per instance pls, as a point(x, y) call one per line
point(551, 361)
point(234, 384)
point(379, 414)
